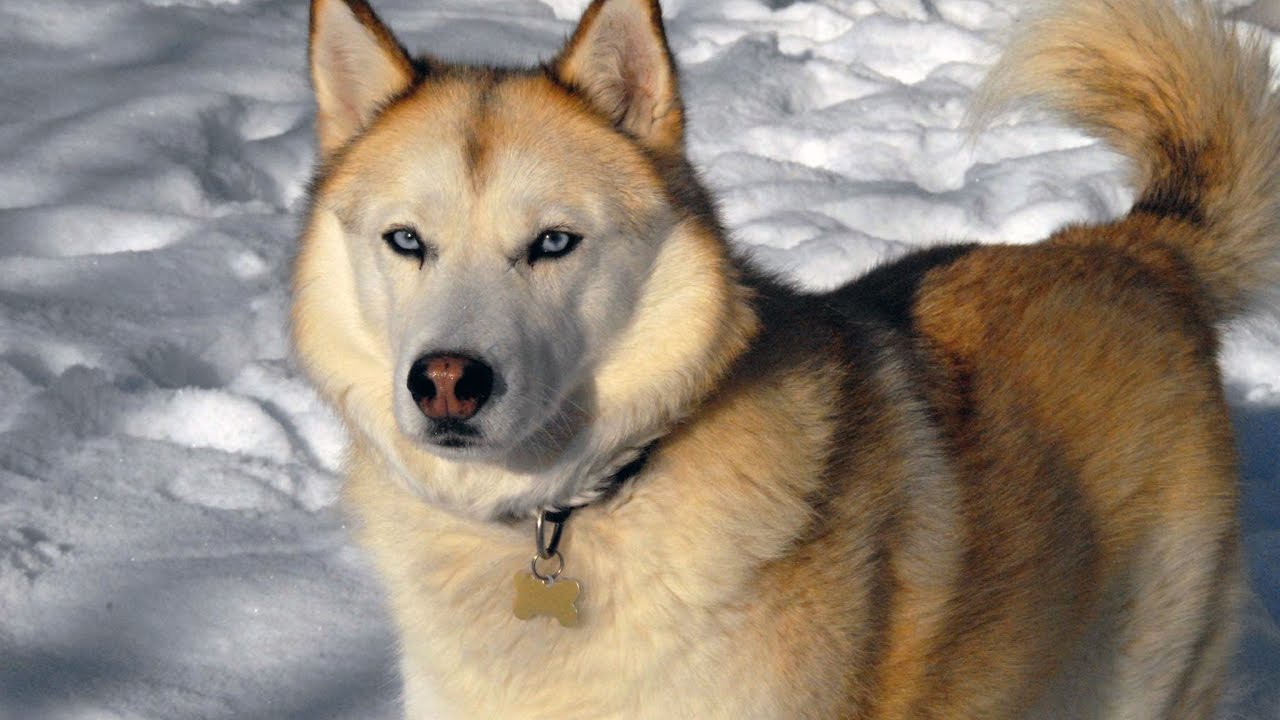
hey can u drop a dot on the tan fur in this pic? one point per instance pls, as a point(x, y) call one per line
point(989, 483)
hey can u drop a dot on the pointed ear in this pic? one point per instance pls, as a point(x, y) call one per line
point(619, 61)
point(356, 66)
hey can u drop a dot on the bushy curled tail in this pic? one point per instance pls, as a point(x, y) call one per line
point(1189, 100)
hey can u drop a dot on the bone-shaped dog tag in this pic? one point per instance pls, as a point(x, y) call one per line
point(553, 598)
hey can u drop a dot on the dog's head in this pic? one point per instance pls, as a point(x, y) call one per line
point(508, 277)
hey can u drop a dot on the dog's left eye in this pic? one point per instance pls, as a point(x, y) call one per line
point(404, 241)
point(553, 244)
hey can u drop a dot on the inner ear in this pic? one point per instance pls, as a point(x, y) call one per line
point(356, 67)
point(619, 60)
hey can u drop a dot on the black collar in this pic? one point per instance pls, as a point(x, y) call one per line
point(611, 485)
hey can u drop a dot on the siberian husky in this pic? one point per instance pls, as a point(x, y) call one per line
point(609, 470)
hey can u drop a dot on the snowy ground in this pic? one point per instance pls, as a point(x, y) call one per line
point(169, 546)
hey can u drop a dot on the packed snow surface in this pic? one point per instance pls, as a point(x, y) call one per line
point(169, 541)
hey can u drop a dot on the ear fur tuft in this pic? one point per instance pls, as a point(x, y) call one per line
point(619, 60)
point(356, 67)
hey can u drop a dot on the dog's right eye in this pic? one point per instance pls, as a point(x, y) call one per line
point(553, 244)
point(405, 241)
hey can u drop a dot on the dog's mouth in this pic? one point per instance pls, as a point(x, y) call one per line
point(453, 434)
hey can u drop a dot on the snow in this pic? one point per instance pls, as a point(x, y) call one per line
point(170, 545)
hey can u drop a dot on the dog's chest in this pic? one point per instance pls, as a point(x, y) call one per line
point(647, 645)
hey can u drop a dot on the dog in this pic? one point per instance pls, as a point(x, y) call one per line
point(981, 481)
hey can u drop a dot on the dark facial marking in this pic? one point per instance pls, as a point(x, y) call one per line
point(475, 143)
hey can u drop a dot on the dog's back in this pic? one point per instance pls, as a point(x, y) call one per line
point(1087, 480)
point(1076, 387)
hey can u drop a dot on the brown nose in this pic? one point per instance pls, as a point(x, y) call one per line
point(448, 386)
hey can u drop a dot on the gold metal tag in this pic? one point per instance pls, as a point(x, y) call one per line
point(550, 598)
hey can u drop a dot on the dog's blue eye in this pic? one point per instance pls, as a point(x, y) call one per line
point(553, 244)
point(404, 241)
